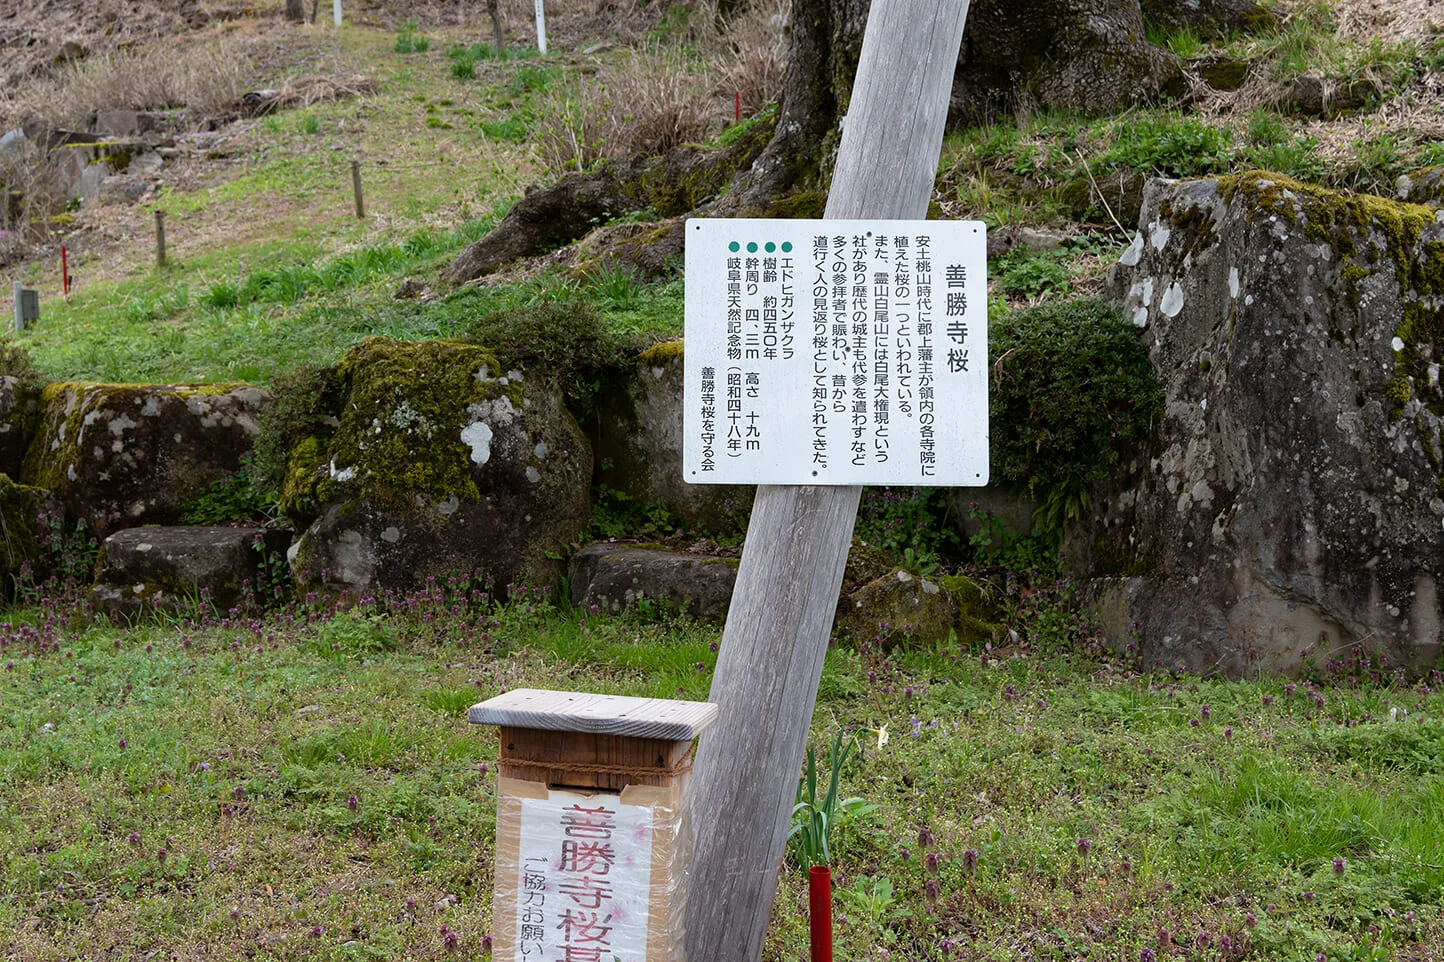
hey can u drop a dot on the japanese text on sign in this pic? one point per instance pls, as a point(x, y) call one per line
point(878, 375)
point(584, 879)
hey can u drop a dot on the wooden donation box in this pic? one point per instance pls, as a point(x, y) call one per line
point(592, 841)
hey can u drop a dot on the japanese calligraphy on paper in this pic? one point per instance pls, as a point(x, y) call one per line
point(584, 878)
point(836, 352)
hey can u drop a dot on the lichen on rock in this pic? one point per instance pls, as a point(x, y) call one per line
point(1289, 503)
point(902, 608)
point(639, 445)
point(122, 455)
point(441, 461)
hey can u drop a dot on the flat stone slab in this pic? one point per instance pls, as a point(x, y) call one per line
point(172, 568)
point(618, 576)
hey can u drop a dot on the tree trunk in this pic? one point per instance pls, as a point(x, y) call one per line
point(1081, 56)
point(493, 7)
point(295, 11)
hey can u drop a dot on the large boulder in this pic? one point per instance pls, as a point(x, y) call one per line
point(19, 412)
point(1290, 506)
point(440, 463)
point(184, 569)
point(639, 446)
point(1422, 187)
point(615, 577)
point(122, 455)
point(901, 609)
point(30, 518)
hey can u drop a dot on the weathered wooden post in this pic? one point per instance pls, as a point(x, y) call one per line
point(591, 836)
point(356, 189)
point(787, 586)
point(541, 27)
point(160, 238)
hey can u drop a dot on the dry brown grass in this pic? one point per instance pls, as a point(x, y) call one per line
point(755, 46)
point(1392, 21)
point(646, 102)
point(306, 91)
point(205, 78)
point(654, 98)
point(28, 196)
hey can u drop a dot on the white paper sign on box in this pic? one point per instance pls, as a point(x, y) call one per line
point(583, 879)
point(836, 352)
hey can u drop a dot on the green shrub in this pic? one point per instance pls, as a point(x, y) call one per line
point(236, 497)
point(1297, 157)
point(616, 514)
point(910, 524)
point(1267, 128)
point(354, 635)
point(1023, 273)
point(996, 545)
point(408, 41)
point(1171, 145)
point(513, 129)
point(221, 295)
point(302, 400)
point(565, 339)
point(1072, 390)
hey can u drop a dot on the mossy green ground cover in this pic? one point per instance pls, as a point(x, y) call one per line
point(302, 784)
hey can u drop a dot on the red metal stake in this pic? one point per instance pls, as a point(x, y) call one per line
point(737, 108)
point(819, 912)
point(64, 271)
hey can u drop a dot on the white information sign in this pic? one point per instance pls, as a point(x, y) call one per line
point(584, 879)
point(836, 352)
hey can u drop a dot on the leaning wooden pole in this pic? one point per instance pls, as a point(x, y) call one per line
point(787, 586)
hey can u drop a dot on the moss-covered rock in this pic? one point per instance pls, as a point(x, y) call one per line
point(440, 463)
point(905, 609)
point(1290, 502)
point(894, 610)
point(19, 415)
point(24, 513)
point(639, 446)
point(122, 455)
point(1422, 187)
point(182, 569)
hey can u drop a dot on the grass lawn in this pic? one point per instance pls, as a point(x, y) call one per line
point(303, 784)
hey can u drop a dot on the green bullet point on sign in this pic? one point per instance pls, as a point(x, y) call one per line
point(771, 247)
point(734, 247)
point(752, 247)
point(787, 247)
